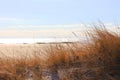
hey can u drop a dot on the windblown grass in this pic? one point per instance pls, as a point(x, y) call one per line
point(105, 47)
point(100, 57)
point(97, 60)
point(21, 69)
point(63, 56)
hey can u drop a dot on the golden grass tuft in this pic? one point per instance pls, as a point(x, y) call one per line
point(101, 55)
point(105, 47)
point(64, 55)
point(22, 68)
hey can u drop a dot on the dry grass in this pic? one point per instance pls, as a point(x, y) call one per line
point(22, 69)
point(97, 60)
point(63, 56)
point(100, 56)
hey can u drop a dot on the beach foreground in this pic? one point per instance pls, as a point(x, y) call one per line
point(97, 60)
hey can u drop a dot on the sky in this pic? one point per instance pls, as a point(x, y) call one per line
point(54, 15)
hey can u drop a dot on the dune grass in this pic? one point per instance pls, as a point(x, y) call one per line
point(100, 57)
point(97, 60)
point(24, 68)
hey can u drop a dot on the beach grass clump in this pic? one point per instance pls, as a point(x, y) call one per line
point(105, 47)
point(63, 55)
point(21, 68)
point(100, 58)
point(104, 53)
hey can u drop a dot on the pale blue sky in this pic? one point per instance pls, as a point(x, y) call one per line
point(52, 12)
point(29, 16)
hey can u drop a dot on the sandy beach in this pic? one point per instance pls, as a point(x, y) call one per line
point(23, 50)
point(20, 50)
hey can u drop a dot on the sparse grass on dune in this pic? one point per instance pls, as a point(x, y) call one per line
point(97, 60)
